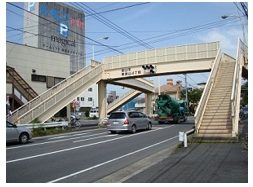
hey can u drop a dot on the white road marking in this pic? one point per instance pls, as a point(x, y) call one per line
point(55, 141)
point(94, 138)
point(82, 146)
point(112, 160)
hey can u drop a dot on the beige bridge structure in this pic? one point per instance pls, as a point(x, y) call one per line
point(127, 70)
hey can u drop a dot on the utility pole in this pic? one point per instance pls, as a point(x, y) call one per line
point(186, 90)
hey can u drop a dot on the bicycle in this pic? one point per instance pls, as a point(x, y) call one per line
point(74, 122)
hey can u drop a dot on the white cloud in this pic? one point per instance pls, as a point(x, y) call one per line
point(228, 39)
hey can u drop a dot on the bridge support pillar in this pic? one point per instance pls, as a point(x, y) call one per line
point(148, 104)
point(102, 99)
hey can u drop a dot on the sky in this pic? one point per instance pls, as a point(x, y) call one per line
point(160, 25)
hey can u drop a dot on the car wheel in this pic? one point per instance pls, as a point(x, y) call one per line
point(113, 132)
point(149, 126)
point(23, 138)
point(133, 129)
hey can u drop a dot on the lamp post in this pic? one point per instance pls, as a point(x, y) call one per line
point(93, 47)
point(242, 24)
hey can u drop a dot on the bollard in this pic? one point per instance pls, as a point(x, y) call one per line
point(185, 140)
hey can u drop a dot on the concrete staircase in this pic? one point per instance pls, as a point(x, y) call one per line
point(216, 122)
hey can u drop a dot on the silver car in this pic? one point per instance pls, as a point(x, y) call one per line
point(128, 121)
point(17, 134)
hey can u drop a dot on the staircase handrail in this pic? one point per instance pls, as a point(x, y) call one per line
point(207, 90)
point(30, 90)
point(236, 87)
point(48, 93)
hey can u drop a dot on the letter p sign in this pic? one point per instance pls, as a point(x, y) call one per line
point(31, 6)
point(64, 30)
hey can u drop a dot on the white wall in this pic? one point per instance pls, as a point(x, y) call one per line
point(83, 98)
point(24, 59)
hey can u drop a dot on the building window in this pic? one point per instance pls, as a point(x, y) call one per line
point(38, 78)
point(50, 82)
point(90, 89)
point(57, 80)
point(82, 98)
point(89, 98)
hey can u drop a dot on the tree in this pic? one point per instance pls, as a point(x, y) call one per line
point(244, 94)
point(193, 96)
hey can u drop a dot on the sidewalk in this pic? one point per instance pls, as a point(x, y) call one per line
point(201, 163)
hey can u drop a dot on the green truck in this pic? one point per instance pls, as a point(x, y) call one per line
point(168, 109)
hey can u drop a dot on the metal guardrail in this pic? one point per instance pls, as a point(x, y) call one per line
point(45, 125)
point(183, 136)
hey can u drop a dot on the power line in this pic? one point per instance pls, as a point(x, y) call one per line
point(116, 9)
point(113, 26)
point(238, 8)
point(69, 29)
point(245, 9)
point(179, 33)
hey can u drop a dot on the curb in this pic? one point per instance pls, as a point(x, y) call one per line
point(137, 167)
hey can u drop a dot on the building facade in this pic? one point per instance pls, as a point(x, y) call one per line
point(56, 27)
point(35, 67)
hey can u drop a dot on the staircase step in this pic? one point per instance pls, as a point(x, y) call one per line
point(214, 103)
point(215, 131)
point(216, 115)
point(225, 98)
point(203, 127)
point(216, 120)
point(222, 87)
point(217, 105)
point(214, 138)
point(220, 112)
point(219, 108)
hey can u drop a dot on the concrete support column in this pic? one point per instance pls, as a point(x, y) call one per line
point(102, 99)
point(148, 104)
point(68, 111)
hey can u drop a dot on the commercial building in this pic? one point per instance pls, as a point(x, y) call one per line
point(56, 27)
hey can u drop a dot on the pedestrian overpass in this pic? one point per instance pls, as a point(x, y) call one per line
point(129, 70)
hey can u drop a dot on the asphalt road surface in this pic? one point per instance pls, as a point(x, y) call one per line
point(85, 156)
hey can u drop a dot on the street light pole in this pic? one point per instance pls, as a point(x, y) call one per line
point(242, 24)
point(93, 47)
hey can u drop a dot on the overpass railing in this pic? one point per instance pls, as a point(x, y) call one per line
point(236, 88)
point(170, 54)
point(206, 93)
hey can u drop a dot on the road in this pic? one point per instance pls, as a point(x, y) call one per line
point(85, 156)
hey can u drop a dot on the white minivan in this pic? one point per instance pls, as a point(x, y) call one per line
point(94, 112)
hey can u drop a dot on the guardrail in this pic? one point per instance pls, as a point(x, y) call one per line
point(183, 136)
point(62, 124)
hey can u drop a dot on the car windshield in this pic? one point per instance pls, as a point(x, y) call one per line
point(118, 115)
